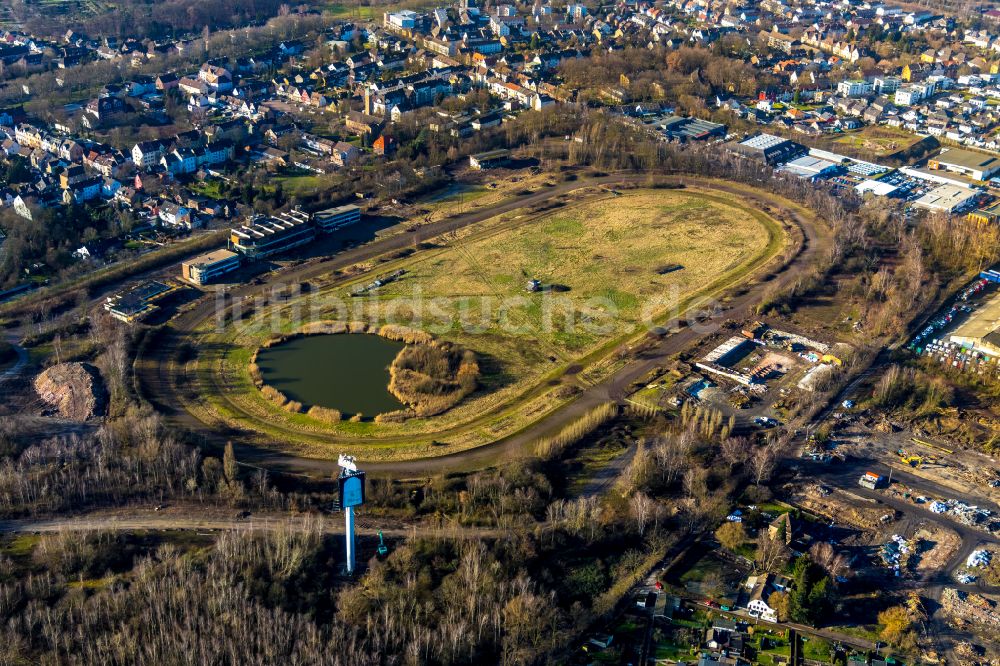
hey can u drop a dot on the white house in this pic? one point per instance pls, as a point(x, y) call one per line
point(908, 96)
point(147, 153)
point(761, 588)
point(176, 216)
point(854, 88)
point(886, 85)
point(182, 161)
point(404, 19)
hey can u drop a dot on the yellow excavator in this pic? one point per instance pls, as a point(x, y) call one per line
point(908, 459)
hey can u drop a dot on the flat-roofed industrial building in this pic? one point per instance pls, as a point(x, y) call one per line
point(981, 331)
point(332, 219)
point(491, 159)
point(138, 301)
point(265, 236)
point(947, 199)
point(688, 129)
point(209, 266)
point(772, 149)
point(976, 165)
point(811, 168)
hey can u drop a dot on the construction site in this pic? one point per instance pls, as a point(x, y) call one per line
point(760, 355)
point(753, 374)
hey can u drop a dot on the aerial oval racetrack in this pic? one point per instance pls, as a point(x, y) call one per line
point(158, 381)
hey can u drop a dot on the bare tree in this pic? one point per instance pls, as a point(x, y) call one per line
point(827, 557)
point(229, 466)
point(671, 454)
point(643, 509)
point(762, 463)
point(771, 553)
point(734, 450)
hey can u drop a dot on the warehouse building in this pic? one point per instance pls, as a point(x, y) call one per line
point(489, 160)
point(202, 270)
point(332, 219)
point(139, 301)
point(981, 331)
point(688, 129)
point(947, 199)
point(989, 214)
point(771, 149)
point(811, 168)
point(879, 188)
point(975, 165)
point(265, 236)
point(719, 361)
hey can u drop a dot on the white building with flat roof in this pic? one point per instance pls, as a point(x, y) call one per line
point(205, 268)
point(332, 219)
point(855, 88)
point(947, 199)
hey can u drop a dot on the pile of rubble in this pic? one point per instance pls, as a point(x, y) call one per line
point(74, 390)
point(896, 553)
point(979, 559)
point(974, 608)
point(965, 513)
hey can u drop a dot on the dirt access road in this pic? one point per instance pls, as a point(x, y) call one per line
point(188, 519)
point(22, 360)
point(153, 380)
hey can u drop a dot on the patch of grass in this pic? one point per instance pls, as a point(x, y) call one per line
point(300, 185)
point(671, 651)
point(211, 188)
point(698, 572)
point(652, 395)
point(815, 648)
point(91, 583)
point(774, 507)
point(19, 545)
point(868, 632)
point(769, 644)
point(362, 12)
point(587, 461)
point(879, 139)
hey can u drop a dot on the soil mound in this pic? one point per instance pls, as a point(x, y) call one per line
point(75, 390)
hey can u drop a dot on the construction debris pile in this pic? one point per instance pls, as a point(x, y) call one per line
point(973, 608)
point(966, 514)
point(896, 553)
point(979, 559)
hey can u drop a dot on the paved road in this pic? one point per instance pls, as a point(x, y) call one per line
point(154, 379)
